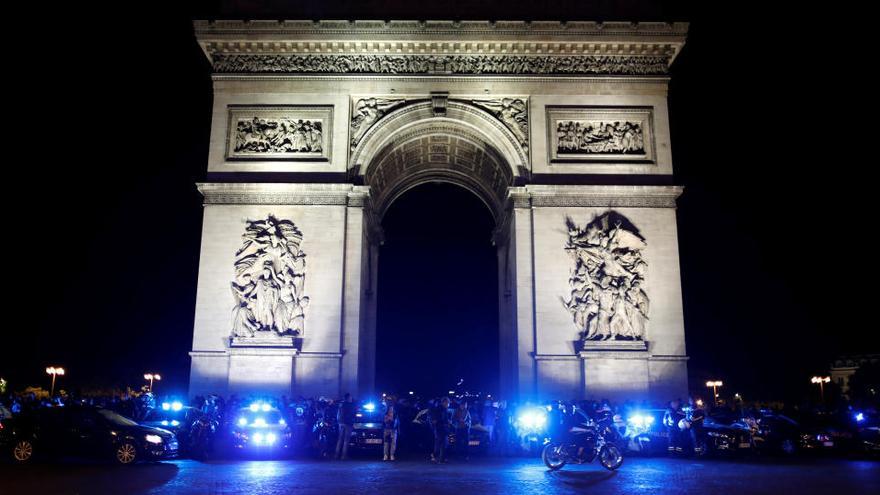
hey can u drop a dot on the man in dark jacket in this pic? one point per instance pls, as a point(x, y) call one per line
point(461, 419)
point(441, 421)
point(345, 416)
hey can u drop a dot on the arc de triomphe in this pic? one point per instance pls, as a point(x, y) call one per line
point(560, 128)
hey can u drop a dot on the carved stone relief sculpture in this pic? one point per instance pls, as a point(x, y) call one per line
point(599, 137)
point(291, 132)
point(607, 299)
point(513, 112)
point(278, 136)
point(600, 134)
point(441, 64)
point(269, 279)
point(366, 112)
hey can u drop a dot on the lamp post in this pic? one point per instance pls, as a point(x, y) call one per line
point(714, 384)
point(151, 377)
point(821, 380)
point(54, 371)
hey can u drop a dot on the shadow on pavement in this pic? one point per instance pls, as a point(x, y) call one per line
point(582, 479)
point(56, 477)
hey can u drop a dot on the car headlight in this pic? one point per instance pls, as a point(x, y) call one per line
point(154, 439)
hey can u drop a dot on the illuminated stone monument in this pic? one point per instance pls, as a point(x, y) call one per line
point(560, 128)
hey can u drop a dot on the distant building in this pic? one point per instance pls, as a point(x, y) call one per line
point(845, 366)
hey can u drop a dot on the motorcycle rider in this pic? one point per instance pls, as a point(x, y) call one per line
point(671, 419)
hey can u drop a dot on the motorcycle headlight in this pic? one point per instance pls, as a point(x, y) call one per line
point(153, 439)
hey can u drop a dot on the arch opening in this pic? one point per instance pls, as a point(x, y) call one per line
point(437, 314)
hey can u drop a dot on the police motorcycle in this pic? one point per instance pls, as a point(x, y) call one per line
point(587, 439)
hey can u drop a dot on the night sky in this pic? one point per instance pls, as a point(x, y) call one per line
point(108, 119)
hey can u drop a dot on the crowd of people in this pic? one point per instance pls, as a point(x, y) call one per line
point(440, 427)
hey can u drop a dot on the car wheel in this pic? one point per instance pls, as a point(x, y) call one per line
point(23, 451)
point(126, 453)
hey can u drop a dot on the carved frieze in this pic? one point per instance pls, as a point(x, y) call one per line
point(638, 65)
point(269, 280)
point(607, 299)
point(600, 134)
point(288, 132)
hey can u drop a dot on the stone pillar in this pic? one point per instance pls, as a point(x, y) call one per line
point(523, 282)
point(330, 219)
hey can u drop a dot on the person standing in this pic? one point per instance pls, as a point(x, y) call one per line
point(345, 418)
point(461, 419)
point(391, 427)
point(671, 419)
point(488, 421)
point(440, 422)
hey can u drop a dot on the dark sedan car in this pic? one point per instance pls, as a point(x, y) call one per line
point(85, 431)
point(194, 429)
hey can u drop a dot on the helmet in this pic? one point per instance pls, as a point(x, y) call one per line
point(683, 424)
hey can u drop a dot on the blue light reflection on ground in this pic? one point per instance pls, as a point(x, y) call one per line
point(508, 476)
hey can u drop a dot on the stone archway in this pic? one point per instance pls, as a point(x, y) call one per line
point(463, 145)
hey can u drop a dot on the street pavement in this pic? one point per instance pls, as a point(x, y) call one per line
point(510, 476)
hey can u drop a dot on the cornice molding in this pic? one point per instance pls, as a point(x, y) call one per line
point(345, 29)
point(599, 195)
point(223, 193)
point(434, 47)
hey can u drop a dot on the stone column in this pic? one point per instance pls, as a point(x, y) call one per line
point(523, 325)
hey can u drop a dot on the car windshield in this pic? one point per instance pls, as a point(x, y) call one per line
point(116, 419)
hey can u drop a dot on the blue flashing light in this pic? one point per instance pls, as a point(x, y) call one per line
point(175, 422)
point(176, 405)
point(533, 420)
point(260, 422)
point(860, 417)
point(254, 407)
point(164, 422)
point(265, 408)
point(640, 420)
point(282, 422)
point(369, 407)
point(166, 406)
point(242, 421)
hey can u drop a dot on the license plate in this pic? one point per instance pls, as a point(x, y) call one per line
point(745, 445)
point(828, 444)
point(474, 442)
point(372, 441)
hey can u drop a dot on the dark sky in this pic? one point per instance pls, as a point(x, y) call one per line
point(108, 114)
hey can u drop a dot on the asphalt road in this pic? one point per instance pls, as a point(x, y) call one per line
point(509, 476)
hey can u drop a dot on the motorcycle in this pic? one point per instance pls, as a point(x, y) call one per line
point(588, 441)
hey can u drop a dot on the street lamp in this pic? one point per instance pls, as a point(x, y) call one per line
point(151, 377)
point(821, 380)
point(54, 371)
point(714, 384)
